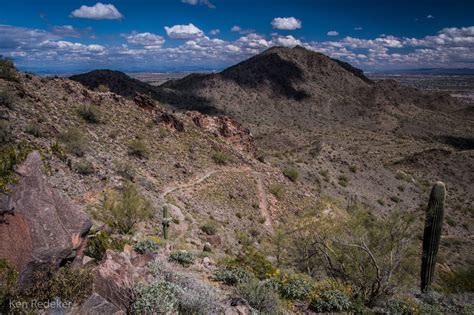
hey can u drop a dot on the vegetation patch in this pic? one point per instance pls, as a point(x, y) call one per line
point(183, 258)
point(90, 113)
point(220, 158)
point(138, 148)
point(74, 141)
point(291, 173)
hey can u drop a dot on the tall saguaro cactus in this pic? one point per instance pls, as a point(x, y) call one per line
point(166, 222)
point(432, 234)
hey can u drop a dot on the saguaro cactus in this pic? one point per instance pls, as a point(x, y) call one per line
point(432, 234)
point(166, 222)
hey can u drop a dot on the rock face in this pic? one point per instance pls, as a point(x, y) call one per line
point(44, 228)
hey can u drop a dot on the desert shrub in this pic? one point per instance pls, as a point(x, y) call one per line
point(233, 275)
point(6, 133)
point(8, 288)
point(10, 156)
point(58, 150)
point(220, 158)
point(7, 69)
point(330, 301)
point(90, 113)
point(34, 130)
point(124, 169)
point(253, 260)
point(343, 180)
point(146, 246)
point(291, 173)
point(68, 283)
point(260, 297)
point(297, 287)
point(277, 190)
point(7, 99)
point(74, 141)
point(372, 254)
point(402, 305)
point(98, 244)
point(138, 148)
point(195, 296)
point(159, 297)
point(122, 210)
point(210, 227)
point(458, 281)
point(182, 257)
point(84, 167)
point(102, 88)
point(353, 169)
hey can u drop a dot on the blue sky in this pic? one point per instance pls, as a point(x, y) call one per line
point(179, 35)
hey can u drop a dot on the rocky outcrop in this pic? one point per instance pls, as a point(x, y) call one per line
point(44, 228)
point(227, 128)
point(170, 120)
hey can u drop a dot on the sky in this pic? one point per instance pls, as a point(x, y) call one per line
point(196, 35)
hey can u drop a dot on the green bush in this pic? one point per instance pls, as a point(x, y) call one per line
point(210, 227)
point(330, 301)
point(255, 261)
point(220, 158)
point(6, 133)
point(74, 141)
point(7, 99)
point(183, 258)
point(353, 168)
point(138, 148)
point(156, 298)
point(7, 69)
point(296, 288)
point(123, 210)
point(146, 246)
point(291, 173)
point(69, 283)
point(458, 281)
point(90, 113)
point(100, 242)
point(343, 180)
point(233, 275)
point(10, 156)
point(34, 130)
point(8, 288)
point(102, 88)
point(124, 169)
point(260, 297)
point(85, 167)
point(277, 190)
point(401, 306)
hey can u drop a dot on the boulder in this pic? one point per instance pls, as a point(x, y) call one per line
point(97, 305)
point(43, 228)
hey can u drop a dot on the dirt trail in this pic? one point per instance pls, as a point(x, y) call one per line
point(261, 193)
point(263, 200)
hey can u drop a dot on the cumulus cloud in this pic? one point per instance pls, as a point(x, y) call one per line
point(240, 30)
point(286, 23)
point(145, 39)
point(358, 28)
point(183, 31)
point(195, 2)
point(99, 11)
point(236, 28)
point(332, 33)
point(286, 41)
point(214, 31)
point(450, 47)
point(430, 16)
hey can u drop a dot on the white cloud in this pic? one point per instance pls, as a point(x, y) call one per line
point(194, 2)
point(69, 46)
point(332, 33)
point(286, 41)
point(430, 16)
point(358, 28)
point(286, 23)
point(214, 31)
point(236, 28)
point(145, 39)
point(99, 11)
point(184, 31)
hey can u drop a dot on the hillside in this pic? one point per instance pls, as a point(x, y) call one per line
point(309, 145)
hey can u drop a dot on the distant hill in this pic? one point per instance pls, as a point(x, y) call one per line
point(117, 82)
point(431, 71)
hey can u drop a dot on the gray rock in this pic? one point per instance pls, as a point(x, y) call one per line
point(97, 305)
point(44, 227)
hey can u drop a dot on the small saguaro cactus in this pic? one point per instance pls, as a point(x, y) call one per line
point(432, 234)
point(166, 222)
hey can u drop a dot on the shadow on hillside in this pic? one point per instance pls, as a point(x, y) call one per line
point(187, 101)
point(270, 69)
